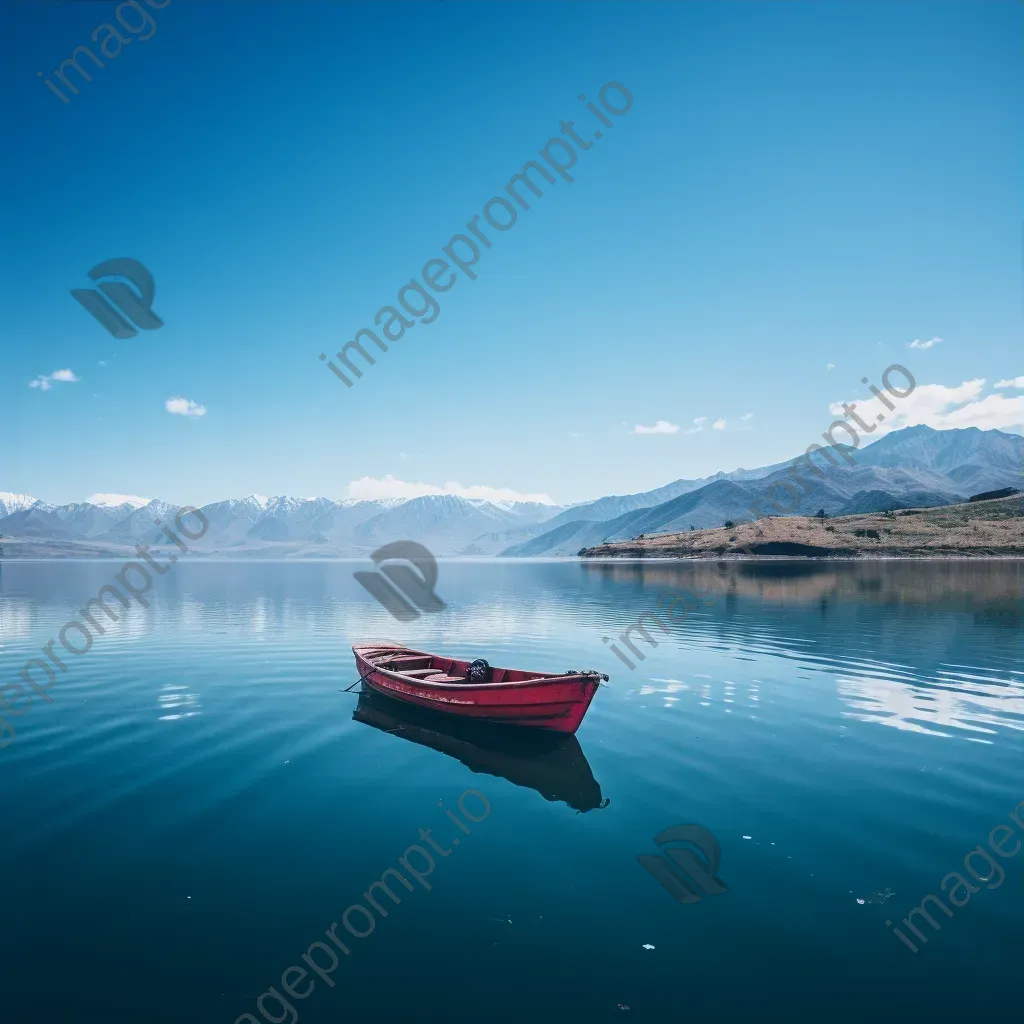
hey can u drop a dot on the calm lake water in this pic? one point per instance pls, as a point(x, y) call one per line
point(200, 803)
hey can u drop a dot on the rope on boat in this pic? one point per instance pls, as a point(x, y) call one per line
point(361, 679)
point(588, 672)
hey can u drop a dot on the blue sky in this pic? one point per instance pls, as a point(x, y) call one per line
point(796, 187)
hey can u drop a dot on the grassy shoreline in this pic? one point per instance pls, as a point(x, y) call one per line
point(982, 529)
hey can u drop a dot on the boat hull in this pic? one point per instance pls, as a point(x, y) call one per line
point(555, 703)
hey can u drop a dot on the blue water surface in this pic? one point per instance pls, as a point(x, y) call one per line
point(200, 804)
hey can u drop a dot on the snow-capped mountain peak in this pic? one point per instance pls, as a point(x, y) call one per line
point(16, 502)
point(112, 500)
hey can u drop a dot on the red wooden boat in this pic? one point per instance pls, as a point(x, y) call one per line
point(475, 690)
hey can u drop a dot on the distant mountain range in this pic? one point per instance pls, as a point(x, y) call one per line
point(914, 467)
point(277, 526)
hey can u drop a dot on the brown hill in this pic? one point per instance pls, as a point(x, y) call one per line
point(980, 528)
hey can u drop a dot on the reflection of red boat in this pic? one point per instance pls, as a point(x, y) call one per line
point(547, 762)
point(540, 700)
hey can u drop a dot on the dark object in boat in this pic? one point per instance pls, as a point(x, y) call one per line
point(539, 700)
point(478, 672)
point(552, 765)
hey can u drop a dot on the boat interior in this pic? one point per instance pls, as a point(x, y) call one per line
point(433, 668)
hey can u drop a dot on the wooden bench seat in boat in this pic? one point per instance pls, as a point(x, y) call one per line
point(440, 677)
point(404, 664)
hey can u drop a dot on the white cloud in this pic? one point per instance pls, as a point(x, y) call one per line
point(993, 411)
point(830, 366)
point(1013, 382)
point(184, 407)
point(117, 499)
point(746, 416)
point(917, 343)
point(43, 380)
point(371, 488)
point(575, 435)
point(661, 427)
point(940, 407)
point(698, 425)
point(403, 455)
point(719, 424)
